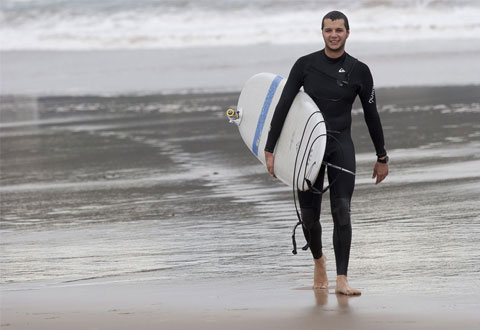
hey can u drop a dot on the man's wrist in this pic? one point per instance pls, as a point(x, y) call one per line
point(383, 159)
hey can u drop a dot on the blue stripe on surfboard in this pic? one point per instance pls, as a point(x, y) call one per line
point(263, 114)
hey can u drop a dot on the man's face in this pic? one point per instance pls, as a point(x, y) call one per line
point(334, 34)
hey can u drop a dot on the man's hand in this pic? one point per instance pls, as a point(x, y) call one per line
point(269, 160)
point(380, 171)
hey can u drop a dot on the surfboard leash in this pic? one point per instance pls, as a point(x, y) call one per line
point(295, 183)
point(309, 183)
point(341, 169)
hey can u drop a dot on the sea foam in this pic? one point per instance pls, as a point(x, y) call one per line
point(77, 25)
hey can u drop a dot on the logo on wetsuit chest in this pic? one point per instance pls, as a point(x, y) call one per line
point(341, 70)
point(372, 96)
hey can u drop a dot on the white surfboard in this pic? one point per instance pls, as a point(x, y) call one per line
point(301, 145)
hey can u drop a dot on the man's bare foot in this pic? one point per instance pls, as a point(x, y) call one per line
point(320, 280)
point(344, 288)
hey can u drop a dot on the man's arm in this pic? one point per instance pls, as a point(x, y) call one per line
point(369, 104)
point(292, 86)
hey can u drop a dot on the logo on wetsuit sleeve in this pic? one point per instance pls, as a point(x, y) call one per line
point(372, 96)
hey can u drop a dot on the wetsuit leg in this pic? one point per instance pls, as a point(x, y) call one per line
point(340, 196)
point(310, 204)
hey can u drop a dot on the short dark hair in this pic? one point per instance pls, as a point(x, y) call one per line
point(334, 15)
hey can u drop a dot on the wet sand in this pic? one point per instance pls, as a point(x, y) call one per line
point(232, 305)
point(150, 212)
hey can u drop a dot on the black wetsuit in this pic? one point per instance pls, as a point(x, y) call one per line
point(333, 84)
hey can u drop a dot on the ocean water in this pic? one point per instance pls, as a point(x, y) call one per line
point(161, 188)
point(167, 24)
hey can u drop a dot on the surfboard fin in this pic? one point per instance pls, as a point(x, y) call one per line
point(234, 116)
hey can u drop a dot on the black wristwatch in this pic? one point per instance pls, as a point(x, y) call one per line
point(383, 161)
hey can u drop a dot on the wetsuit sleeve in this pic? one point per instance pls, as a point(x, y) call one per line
point(292, 86)
point(369, 104)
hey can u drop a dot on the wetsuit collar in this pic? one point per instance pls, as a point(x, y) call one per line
point(333, 60)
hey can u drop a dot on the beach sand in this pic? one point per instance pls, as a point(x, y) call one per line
point(228, 305)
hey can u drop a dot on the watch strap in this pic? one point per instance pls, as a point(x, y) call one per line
point(383, 161)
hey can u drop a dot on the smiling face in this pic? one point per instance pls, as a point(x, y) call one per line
point(335, 35)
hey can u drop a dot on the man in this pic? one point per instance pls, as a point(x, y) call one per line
point(333, 79)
